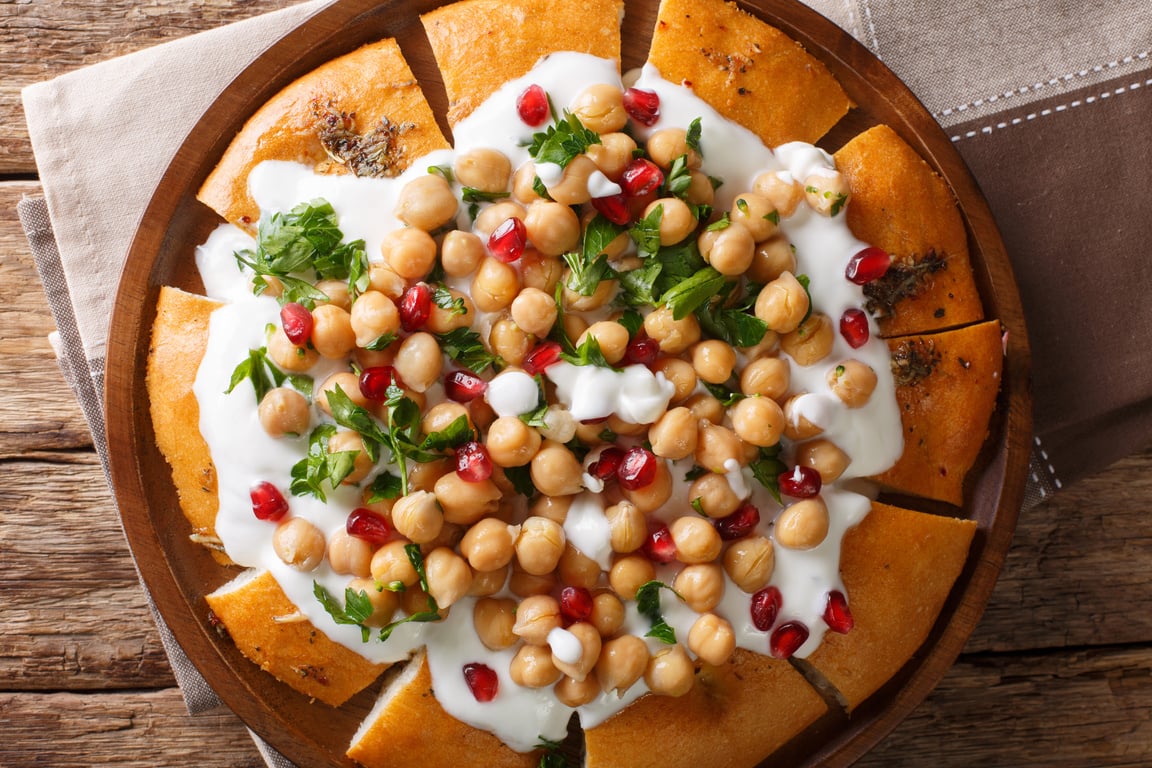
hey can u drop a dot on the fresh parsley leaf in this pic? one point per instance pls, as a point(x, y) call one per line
point(692, 137)
point(521, 479)
point(465, 347)
point(539, 188)
point(839, 203)
point(639, 285)
point(648, 604)
point(563, 141)
point(646, 233)
point(805, 282)
point(726, 397)
point(588, 353)
point(731, 324)
point(767, 468)
point(590, 266)
point(443, 171)
point(721, 223)
point(553, 756)
point(385, 486)
point(684, 298)
point(443, 298)
point(455, 434)
point(698, 505)
point(773, 216)
point(473, 195)
point(259, 370)
point(679, 178)
point(632, 320)
point(356, 610)
point(318, 467)
point(535, 417)
point(433, 611)
point(381, 342)
point(695, 472)
point(352, 416)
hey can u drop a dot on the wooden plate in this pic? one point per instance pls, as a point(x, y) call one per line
point(180, 573)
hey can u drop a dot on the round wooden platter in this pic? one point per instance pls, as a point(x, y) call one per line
point(179, 573)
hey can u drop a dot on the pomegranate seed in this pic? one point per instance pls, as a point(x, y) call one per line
point(614, 208)
point(738, 524)
point(801, 483)
point(368, 525)
point(473, 463)
point(415, 307)
point(508, 241)
point(532, 106)
point(641, 351)
point(482, 681)
point(836, 613)
point(374, 382)
point(766, 607)
point(660, 546)
point(868, 265)
point(267, 501)
point(640, 177)
point(637, 469)
point(541, 356)
point(787, 639)
point(297, 322)
point(854, 327)
point(464, 386)
point(607, 464)
point(575, 604)
point(642, 106)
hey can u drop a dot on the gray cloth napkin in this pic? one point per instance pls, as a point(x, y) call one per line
point(1047, 103)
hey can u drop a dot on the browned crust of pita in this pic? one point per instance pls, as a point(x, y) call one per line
point(179, 337)
point(294, 652)
point(735, 715)
point(748, 71)
point(412, 730)
point(898, 567)
point(477, 54)
point(945, 414)
point(900, 204)
point(372, 83)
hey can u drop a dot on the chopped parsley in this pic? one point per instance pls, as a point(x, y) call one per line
point(465, 347)
point(356, 610)
point(265, 376)
point(562, 141)
point(319, 467)
point(648, 604)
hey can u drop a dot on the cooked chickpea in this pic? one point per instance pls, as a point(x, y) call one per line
point(714, 495)
point(712, 639)
point(622, 662)
point(560, 424)
point(654, 495)
point(390, 565)
point(716, 445)
point(701, 585)
point(749, 562)
point(576, 693)
point(670, 672)
point(825, 457)
point(540, 271)
point(449, 576)
point(552, 507)
point(853, 382)
point(410, 252)
point(442, 415)
point(610, 336)
point(552, 228)
point(607, 614)
point(713, 361)
point(700, 189)
point(802, 416)
point(427, 202)
point(696, 539)
point(676, 221)
point(419, 361)
point(577, 569)
point(288, 356)
point(812, 340)
point(488, 544)
point(524, 584)
point(768, 377)
point(703, 405)
point(511, 442)
point(600, 108)
point(345, 441)
point(758, 420)
point(613, 153)
point(335, 292)
point(532, 667)
point(493, 618)
point(283, 412)
point(781, 191)
point(680, 373)
point(484, 169)
point(757, 213)
point(826, 192)
point(667, 144)
point(373, 315)
point(803, 525)
point(384, 279)
point(488, 583)
point(459, 314)
point(572, 188)
point(415, 600)
point(627, 527)
point(605, 291)
point(348, 383)
point(674, 435)
point(730, 250)
point(417, 517)
point(332, 334)
point(384, 601)
point(772, 258)
point(590, 645)
point(511, 342)
point(466, 502)
point(495, 285)
point(539, 545)
point(782, 303)
point(534, 311)
point(422, 476)
point(299, 544)
point(556, 471)
point(524, 184)
point(461, 253)
point(673, 336)
point(629, 573)
point(536, 616)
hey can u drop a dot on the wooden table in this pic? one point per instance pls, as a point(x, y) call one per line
point(1059, 673)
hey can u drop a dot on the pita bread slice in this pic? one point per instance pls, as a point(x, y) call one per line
point(748, 71)
point(270, 632)
point(900, 204)
point(898, 567)
point(409, 729)
point(946, 385)
point(735, 715)
point(476, 53)
point(368, 106)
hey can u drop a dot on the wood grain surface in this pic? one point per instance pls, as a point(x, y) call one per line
point(1058, 673)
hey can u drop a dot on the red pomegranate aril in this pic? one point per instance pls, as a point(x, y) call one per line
point(766, 607)
point(297, 322)
point(532, 106)
point(464, 386)
point(642, 106)
point(800, 482)
point(787, 639)
point(614, 208)
point(267, 501)
point(415, 307)
point(641, 351)
point(738, 524)
point(660, 546)
point(640, 177)
point(374, 382)
point(473, 463)
point(836, 613)
point(371, 526)
point(508, 241)
point(854, 327)
point(607, 463)
point(868, 265)
point(482, 681)
point(542, 355)
point(637, 469)
point(575, 604)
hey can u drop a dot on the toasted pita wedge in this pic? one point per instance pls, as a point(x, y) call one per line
point(476, 54)
point(900, 204)
point(179, 337)
point(735, 715)
point(409, 729)
point(269, 631)
point(748, 71)
point(368, 101)
point(946, 385)
point(898, 568)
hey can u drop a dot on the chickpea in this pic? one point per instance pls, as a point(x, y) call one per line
point(554, 508)
point(335, 292)
point(716, 445)
point(667, 144)
point(422, 476)
point(419, 361)
point(696, 539)
point(701, 585)
point(362, 464)
point(524, 184)
point(332, 334)
point(713, 361)
point(440, 416)
point(680, 373)
point(415, 600)
point(700, 189)
point(383, 279)
point(853, 382)
point(539, 545)
point(826, 192)
point(417, 517)
point(487, 583)
point(629, 573)
point(573, 186)
point(534, 311)
point(714, 495)
point(622, 662)
point(600, 108)
point(758, 420)
point(825, 457)
point(493, 618)
point(590, 651)
point(484, 169)
point(410, 252)
point(273, 286)
point(782, 303)
point(524, 584)
point(390, 565)
point(620, 427)
point(461, 253)
point(553, 228)
point(613, 154)
point(610, 336)
point(781, 191)
point(670, 672)
point(772, 258)
point(627, 526)
point(384, 601)
point(466, 502)
point(427, 203)
point(673, 336)
point(541, 272)
point(373, 315)
point(510, 341)
point(536, 616)
point(555, 471)
point(607, 614)
point(495, 285)
point(812, 341)
point(604, 293)
point(654, 495)
point(757, 213)
point(730, 250)
point(299, 544)
point(749, 562)
point(511, 442)
point(768, 377)
point(450, 535)
point(288, 356)
point(674, 435)
point(532, 667)
point(576, 693)
point(283, 412)
point(577, 569)
point(803, 525)
point(560, 424)
point(703, 405)
point(460, 314)
point(449, 576)
point(676, 222)
point(488, 544)
point(712, 639)
point(804, 416)
point(348, 383)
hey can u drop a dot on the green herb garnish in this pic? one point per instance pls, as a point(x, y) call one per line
point(356, 610)
point(562, 141)
point(465, 347)
point(319, 466)
point(648, 604)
